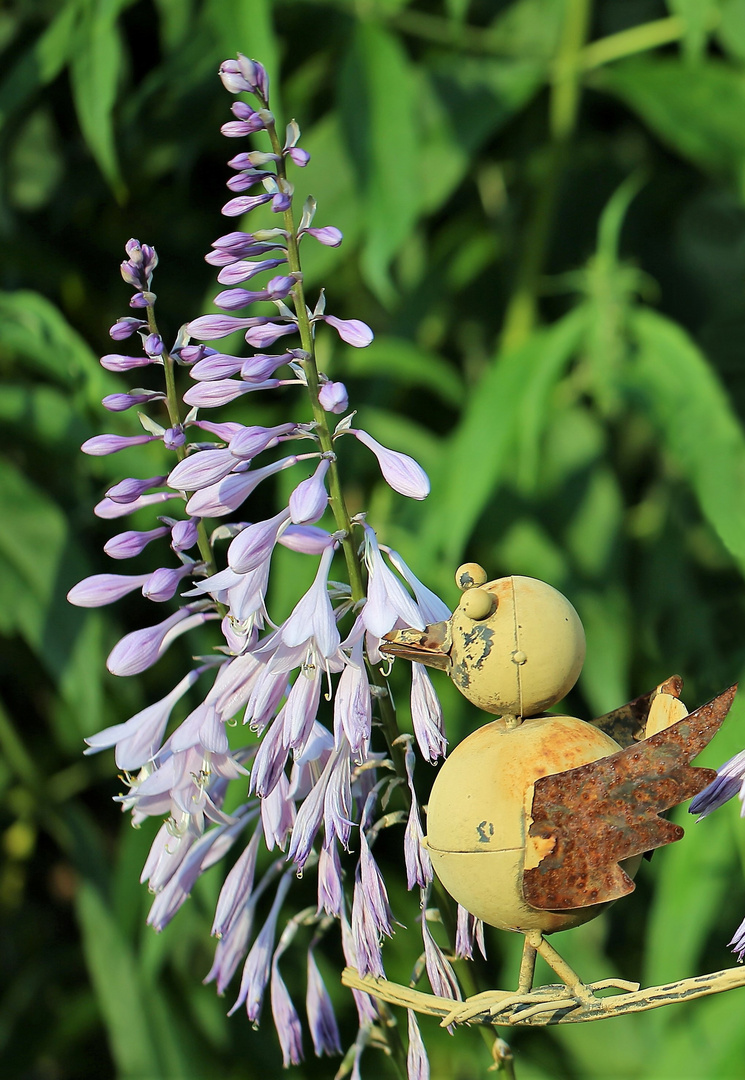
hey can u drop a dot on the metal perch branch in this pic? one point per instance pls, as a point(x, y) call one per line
point(546, 1004)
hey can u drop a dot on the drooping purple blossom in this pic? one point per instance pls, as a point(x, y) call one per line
point(321, 1019)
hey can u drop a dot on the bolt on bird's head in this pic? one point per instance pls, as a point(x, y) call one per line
point(514, 646)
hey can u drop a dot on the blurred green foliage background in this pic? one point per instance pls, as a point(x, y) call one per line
point(543, 204)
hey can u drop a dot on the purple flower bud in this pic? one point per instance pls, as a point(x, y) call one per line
point(143, 300)
point(103, 589)
point(246, 180)
point(321, 1019)
point(209, 327)
point(109, 509)
point(309, 500)
point(101, 445)
point(353, 331)
point(238, 129)
point(263, 336)
point(184, 534)
point(117, 362)
point(162, 583)
point(217, 366)
point(261, 365)
point(140, 649)
point(121, 402)
point(201, 469)
point(250, 441)
point(417, 1062)
point(400, 471)
point(174, 437)
point(299, 156)
point(128, 544)
point(255, 543)
point(244, 204)
point(228, 494)
point(333, 397)
point(125, 327)
point(329, 235)
point(127, 491)
point(244, 270)
point(225, 431)
point(307, 539)
point(210, 395)
point(154, 345)
point(232, 78)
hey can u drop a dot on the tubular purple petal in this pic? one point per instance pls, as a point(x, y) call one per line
point(255, 543)
point(417, 1062)
point(221, 391)
point(209, 327)
point(286, 1020)
point(309, 500)
point(140, 649)
point(201, 469)
point(110, 509)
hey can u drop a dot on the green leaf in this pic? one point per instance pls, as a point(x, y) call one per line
point(730, 32)
point(378, 109)
point(701, 432)
point(41, 63)
point(697, 114)
point(512, 394)
point(407, 364)
point(119, 989)
point(95, 70)
point(700, 17)
point(35, 334)
point(460, 107)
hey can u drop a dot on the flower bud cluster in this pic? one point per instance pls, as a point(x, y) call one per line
point(312, 789)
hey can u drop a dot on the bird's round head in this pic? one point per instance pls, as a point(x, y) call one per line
point(512, 646)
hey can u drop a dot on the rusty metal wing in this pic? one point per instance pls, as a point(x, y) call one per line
point(590, 819)
point(626, 723)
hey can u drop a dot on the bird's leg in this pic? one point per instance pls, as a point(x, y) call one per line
point(562, 969)
point(527, 964)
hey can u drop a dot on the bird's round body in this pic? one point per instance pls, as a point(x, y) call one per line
point(478, 817)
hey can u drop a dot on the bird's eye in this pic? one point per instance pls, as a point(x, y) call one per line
point(478, 604)
point(469, 576)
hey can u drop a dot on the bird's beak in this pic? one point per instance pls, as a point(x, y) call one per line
point(430, 646)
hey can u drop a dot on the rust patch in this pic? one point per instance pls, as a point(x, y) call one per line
point(603, 813)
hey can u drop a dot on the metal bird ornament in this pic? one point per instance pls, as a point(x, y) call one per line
point(537, 821)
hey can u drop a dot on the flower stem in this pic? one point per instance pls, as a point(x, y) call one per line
point(310, 367)
point(173, 405)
